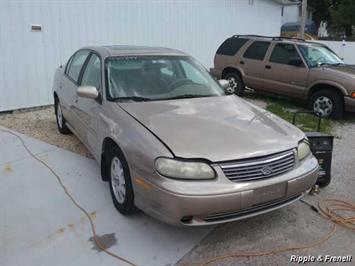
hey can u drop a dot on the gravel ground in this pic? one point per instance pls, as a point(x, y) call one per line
point(40, 124)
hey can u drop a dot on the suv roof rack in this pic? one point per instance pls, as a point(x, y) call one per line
point(276, 38)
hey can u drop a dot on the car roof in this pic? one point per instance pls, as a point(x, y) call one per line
point(132, 50)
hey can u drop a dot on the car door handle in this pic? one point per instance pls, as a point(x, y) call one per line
point(242, 62)
point(268, 67)
point(76, 100)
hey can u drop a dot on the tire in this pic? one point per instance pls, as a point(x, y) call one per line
point(61, 122)
point(323, 182)
point(327, 103)
point(120, 182)
point(235, 82)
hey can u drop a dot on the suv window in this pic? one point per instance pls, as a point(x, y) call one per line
point(231, 46)
point(283, 52)
point(257, 50)
point(75, 64)
point(92, 73)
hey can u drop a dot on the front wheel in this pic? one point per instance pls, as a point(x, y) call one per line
point(120, 182)
point(236, 83)
point(327, 103)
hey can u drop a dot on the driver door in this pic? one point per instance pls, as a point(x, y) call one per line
point(88, 110)
point(283, 78)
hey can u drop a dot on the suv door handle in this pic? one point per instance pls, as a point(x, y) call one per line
point(268, 67)
point(242, 62)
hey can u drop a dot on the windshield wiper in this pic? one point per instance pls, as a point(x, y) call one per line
point(329, 64)
point(186, 96)
point(338, 64)
point(134, 98)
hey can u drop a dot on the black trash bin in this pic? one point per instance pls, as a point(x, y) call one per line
point(322, 148)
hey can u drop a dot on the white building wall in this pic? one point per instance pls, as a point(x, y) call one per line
point(290, 14)
point(198, 27)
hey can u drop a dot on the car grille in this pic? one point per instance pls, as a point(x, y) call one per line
point(260, 168)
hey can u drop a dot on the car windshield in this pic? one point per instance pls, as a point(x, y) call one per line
point(318, 55)
point(148, 78)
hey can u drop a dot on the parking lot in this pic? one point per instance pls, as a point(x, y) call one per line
point(38, 200)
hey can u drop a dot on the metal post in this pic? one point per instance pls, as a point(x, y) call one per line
point(303, 18)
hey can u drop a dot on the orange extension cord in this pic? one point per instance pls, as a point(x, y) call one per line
point(328, 208)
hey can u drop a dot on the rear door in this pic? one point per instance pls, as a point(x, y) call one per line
point(69, 85)
point(280, 76)
point(252, 63)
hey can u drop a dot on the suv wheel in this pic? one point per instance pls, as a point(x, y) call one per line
point(235, 82)
point(120, 182)
point(327, 103)
point(62, 127)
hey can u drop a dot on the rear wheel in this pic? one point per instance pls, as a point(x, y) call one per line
point(327, 103)
point(235, 82)
point(120, 182)
point(61, 122)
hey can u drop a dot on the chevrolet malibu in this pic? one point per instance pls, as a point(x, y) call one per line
point(174, 142)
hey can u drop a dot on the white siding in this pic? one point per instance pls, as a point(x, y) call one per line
point(290, 14)
point(29, 59)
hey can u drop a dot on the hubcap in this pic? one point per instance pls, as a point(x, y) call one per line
point(323, 106)
point(117, 180)
point(59, 116)
point(233, 83)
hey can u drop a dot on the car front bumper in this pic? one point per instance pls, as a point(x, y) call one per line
point(349, 104)
point(191, 203)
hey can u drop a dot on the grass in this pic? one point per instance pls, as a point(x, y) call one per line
point(285, 108)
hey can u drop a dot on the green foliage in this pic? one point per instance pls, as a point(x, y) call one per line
point(321, 11)
point(343, 15)
point(340, 14)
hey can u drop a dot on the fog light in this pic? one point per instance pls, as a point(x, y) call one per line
point(353, 95)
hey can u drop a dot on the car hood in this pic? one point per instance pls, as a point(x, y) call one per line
point(345, 69)
point(215, 128)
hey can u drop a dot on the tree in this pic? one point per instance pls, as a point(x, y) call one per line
point(321, 11)
point(343, 15)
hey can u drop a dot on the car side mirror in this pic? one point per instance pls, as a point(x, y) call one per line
point(226, 86)
point(89, 92)
point(295, 61)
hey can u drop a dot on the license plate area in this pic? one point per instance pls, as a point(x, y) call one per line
point(269, 193)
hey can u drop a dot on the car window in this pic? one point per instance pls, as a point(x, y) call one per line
point(76, 64)
point(283, 52)
point(158, 78)
point(231, 46)
point(318, 55)
point(192, 74)
point(257, 50)
point(92, 72)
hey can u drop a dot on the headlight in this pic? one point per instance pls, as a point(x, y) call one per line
point(303, 149)
point(184, 169)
